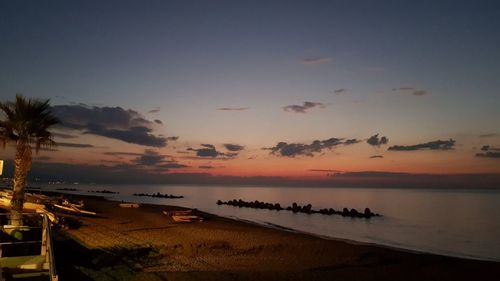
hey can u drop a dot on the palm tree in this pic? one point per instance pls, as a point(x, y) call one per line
point(26, 124)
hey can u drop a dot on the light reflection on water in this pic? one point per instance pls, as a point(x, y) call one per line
point(462, 223)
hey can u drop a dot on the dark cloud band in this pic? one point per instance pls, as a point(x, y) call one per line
point(433, 145)
point(209, 151)
point(302, 108)
point(301, 149)
point(233, 147)
point(376, 141)
point(232, 108)
point(111, 122)
point(316, 60)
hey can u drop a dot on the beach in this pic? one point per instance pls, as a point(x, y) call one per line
point(144, 244)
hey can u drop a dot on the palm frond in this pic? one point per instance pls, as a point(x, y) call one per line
point(27, 120)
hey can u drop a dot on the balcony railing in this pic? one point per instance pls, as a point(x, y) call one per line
point(26, 251)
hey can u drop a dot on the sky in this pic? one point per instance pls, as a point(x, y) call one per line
point(281, 90)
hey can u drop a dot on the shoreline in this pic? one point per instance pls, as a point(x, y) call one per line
point(292, 230)
point(345, 240)
point(227, 249)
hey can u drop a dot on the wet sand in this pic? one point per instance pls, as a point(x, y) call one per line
point(143, 244)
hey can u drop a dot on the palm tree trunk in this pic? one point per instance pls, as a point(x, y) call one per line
point(22, 165)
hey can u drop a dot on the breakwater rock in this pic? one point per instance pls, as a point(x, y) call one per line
point(159, 195)
point(296, 208)
point(67, 189)
point(104, 191)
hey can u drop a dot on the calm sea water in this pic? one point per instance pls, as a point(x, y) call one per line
point(464, 223)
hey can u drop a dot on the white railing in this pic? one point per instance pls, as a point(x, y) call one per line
point(44, 261)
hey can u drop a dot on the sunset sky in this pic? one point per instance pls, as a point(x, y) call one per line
point(260, 88)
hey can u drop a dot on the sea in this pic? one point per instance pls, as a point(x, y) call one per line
point(460, 223)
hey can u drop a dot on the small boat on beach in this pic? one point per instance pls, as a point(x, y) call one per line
point(178, 213)
point(183, 216)
point(73, 209)
point(187, 218)
point(129, 205)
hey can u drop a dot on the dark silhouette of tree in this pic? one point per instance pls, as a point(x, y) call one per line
point(25, 123)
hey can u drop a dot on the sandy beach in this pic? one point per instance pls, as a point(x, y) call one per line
point(143, 244)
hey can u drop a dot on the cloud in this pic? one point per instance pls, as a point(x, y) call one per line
point(233, 147)
point(489, 148)
point(150, 157)
point(158, 121)
point(74, 145)
point(376, 141)
point(119, 153)
point(410, 180)
point(299, 149)
point(209, 150)
point(136, 135)
point(376, 156)
point(63, 136)
point(174, 138)
point(351, 141)
point(134, 174)
point(154, 110)
point(111, 122)
point(316, 60)
point(433, 145)
point(302, 108)
point(489, 152)
point(414, 91)
point(206, 167)
point(491, 135)
point(153, 159)
point(419, 93)
point(339, 91)
point(325, 170)
point(171, 165)
point(232, 108)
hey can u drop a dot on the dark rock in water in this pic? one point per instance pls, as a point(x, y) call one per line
point(159, 195)
point(353, 213)
point(62, 189)
point(368, 213)
point(307, 208)
point(345, 212)
point(103, 191)
point(253, 204)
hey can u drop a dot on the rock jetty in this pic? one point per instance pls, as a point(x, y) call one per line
point(67, 189)
point(296, 208)
point(104, 191)
point(159, 195)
